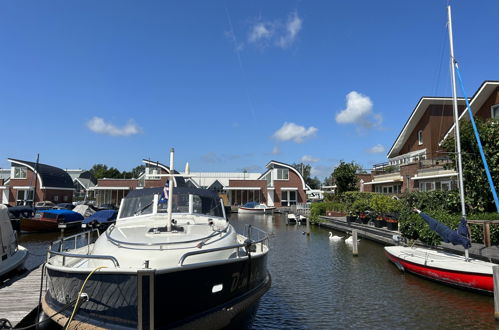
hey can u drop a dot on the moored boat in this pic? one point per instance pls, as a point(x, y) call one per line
point(171, 260)
point(12, 255)
point(256, 208)
point(51, 220)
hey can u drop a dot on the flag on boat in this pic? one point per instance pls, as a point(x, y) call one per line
point(456, 237)
point(164, 193)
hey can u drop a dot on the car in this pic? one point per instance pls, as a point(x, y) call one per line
point(67, 206)
point(47, 204)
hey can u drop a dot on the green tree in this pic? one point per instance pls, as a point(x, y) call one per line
point(344, 177)
point(305, 170)
point(477, 193)
point(99, 171)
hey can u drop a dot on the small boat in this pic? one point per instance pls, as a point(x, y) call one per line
point(256, 208)
point(12, 255)
point(51, 220)
point(100, 219)
point(291, 219)
point(302, 220)
point(171, 260)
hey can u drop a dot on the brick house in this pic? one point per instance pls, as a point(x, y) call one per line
point(30, 182)
point(416, 160)
point(280, 185)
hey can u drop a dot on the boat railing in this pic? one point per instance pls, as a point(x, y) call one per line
point(255, 238)
point(159, 244)
point(77, 241)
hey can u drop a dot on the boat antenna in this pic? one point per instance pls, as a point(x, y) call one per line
point(456, 122)
point(36, 178)
point(170, 192)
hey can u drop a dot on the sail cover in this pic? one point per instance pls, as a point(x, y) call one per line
point(456, 237)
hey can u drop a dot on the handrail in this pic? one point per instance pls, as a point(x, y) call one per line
point(188, 254)
point(118, 242)
point(84, 256)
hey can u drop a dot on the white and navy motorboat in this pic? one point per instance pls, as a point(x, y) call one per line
point(165, 263)
point(255, 208)
point(12, 255)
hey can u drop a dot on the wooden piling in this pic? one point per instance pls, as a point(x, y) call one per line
point(308, 226)
point(495, 271)
point(355, 249)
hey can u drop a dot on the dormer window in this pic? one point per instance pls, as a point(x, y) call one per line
point(495, 111)
point(282, 174)
point(20, 172)
point(420, 137)
point(152, 173)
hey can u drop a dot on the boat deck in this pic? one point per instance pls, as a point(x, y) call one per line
point(19, 295)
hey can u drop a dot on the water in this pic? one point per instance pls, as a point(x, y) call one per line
point(318, 284)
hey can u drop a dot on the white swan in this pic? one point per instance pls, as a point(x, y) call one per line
point(334, 237)
point(349, 240)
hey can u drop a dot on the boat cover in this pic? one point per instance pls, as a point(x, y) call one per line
point(102, 216)
point(84, 210)
point(250, 205)
point(456, 237)
point(67, 215)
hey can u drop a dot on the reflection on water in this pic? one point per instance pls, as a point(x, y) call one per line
point(318, 284)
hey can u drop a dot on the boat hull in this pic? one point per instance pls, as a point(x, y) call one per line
point(178, 298)
point(465, 277)
point(14, 261)
point(248, 210)
point(40, 225)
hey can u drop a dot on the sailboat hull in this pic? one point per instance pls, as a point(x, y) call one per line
point(444, 267)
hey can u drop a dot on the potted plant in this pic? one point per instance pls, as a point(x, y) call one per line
point(380, 205)
point(361, 207)
point(391, 223)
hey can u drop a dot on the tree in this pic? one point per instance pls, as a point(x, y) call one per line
point(305, 171)
point(99, 171)
point(478, 196)
point(344, 177)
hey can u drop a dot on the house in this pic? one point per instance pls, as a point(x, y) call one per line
point(82, 180)
point(280, 185)
point(30, 182)
point(416, 160)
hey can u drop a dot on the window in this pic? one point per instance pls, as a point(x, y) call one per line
point(20, 172)
point(420, 137)
point(427, 186)
point(288, 198)
point(56, 198)
point(151, 173)
point(65, 198)
point(495, 111)
point(282, 174)
point(24, 197)
point(268, 178)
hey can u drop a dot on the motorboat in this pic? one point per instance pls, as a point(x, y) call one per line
point(100, 219)
point(12, 255)
point(291, 219)
point(256, 208)
point(51, 220)
point(165, 263)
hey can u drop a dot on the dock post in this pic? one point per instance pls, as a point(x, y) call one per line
point(495, 271)
point(355, 249)
point(308, 226)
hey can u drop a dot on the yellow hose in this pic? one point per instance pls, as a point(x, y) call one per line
point(79, 294)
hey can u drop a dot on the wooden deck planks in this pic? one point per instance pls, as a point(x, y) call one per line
point(19, 296)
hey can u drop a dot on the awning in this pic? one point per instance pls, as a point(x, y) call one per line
point(384, 181)
point(23, 187)
point(242, 188)
point(289, 188)
point(3, 187)
point(109, 188)
point(433, 176)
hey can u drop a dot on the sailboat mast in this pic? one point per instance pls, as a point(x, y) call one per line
point(456, 116)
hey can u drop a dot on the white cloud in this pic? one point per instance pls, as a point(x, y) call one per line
point(293, 132)
point(309, 159)
point(276, 150)
point(359, 111)
point(377, 149)
point(100, 126)
point(321, 171)
point(277, 33)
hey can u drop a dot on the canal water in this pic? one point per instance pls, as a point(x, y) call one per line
point(318, 284)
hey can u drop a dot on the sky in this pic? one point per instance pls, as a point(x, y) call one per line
point(230, 85)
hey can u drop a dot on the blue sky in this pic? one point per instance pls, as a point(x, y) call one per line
point(230, 84)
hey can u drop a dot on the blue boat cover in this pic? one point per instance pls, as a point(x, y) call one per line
point(67, 215)
point(102, 216)
point(456, 237)
point(250, 205)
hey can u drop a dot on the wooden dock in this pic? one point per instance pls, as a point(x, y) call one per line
point(19, 296)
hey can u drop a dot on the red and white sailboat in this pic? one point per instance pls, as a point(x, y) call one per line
point(448, 268)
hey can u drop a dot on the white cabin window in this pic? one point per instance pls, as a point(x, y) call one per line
point(495, 111)
point(20, 172)
point(420, 137)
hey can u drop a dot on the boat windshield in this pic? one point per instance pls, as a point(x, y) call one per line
point(202, 203)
